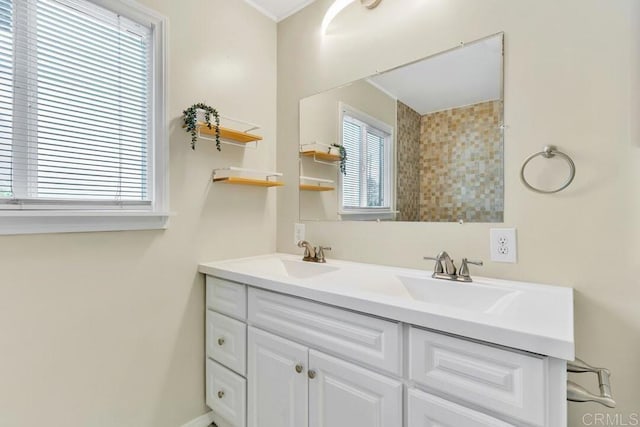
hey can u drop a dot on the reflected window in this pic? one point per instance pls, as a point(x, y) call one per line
point(366, 188)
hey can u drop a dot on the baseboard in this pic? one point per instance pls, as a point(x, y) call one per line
point(202, 421)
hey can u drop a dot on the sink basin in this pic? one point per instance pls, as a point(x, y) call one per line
point(284, 268)
point(303, 269)
point(468, 296)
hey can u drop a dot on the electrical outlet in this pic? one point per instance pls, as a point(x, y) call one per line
point(298, 233)
point(504, 245)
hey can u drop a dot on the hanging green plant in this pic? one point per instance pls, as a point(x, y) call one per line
point(343, 158)
point(191, 122)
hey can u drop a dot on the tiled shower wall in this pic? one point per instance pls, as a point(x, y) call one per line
point(462, 164)
point(408, 163)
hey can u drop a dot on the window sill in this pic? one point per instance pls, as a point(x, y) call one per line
point(368, 215)
point(39, 222)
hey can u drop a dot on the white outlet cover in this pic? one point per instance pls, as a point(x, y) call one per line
point(299, 230)
point(503, 245)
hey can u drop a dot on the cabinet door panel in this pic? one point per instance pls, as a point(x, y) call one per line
point(278, 393)
point(364, 339)
point(426, 410)
point(503, 381)
point(346, 395)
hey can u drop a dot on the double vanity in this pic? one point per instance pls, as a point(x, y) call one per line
point(343, 344)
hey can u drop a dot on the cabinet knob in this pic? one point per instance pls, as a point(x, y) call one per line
point(299, 368)
point(221, 341)
point(220, 394)
point(312, 374)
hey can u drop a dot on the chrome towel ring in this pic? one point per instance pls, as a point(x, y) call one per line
point(548, 152)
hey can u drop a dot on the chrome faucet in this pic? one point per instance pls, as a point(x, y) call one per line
point(309, 250)
point(446, 269)
point(449, 268)
point(312, 254)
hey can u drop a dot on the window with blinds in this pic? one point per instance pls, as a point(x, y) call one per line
point(366, 185)
point(75, 107)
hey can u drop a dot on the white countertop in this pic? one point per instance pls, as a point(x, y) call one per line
point(535, 318)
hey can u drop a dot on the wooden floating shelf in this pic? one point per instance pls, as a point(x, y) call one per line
point(311, 187)
point(320, 155)
point(247, 181)
point(227, 133)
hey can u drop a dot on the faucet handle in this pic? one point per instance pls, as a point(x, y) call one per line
point(320, 253)
point(464, 267)
point(438, 267)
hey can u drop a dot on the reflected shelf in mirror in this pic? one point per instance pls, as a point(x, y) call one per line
point(308, 183)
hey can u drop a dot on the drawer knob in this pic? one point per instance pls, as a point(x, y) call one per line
point(299, 368)
point(221, 341)
point(220, 394)
point(312, 374)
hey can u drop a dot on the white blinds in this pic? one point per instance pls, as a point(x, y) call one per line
point(375, 170)
point(6, 96)
point(74, 106)
point(363, 185)
point(351, 185)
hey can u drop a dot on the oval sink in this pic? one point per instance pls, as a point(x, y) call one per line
point(467, 296)
point(303, 269)
point(284, 267)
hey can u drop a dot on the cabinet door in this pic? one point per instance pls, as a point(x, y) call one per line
point(346, 395)
point(277, 381)
point(503, 381)
point(426, 410)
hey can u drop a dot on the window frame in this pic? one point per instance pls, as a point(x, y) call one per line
point(79, 216)
point(369, 213)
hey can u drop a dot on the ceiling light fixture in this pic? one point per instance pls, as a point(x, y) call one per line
point(338, 6)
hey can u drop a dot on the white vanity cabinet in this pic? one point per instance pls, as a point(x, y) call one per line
point(276, 360)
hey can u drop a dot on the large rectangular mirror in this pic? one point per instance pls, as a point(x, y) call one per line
point(423, 142)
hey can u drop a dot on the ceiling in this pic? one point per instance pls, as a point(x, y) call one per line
point(279, 9)
point(456, 78)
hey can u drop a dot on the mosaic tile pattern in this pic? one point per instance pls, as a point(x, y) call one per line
point(408, 163)
point(461, 159)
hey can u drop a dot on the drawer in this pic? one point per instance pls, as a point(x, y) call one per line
point(426, 410)
point(507, 382)
point(365, 339)
point(227, 341)
point(226, 394)
point(227, 297)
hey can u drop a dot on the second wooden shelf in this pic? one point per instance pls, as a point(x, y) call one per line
point(227, 133)
point(311, 187)
point(321, 155)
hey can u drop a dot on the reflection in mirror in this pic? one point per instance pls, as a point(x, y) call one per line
point(423, 142)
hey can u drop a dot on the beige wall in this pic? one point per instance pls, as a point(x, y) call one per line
point(572, 79)
point(107, 329)
point(319, 123)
